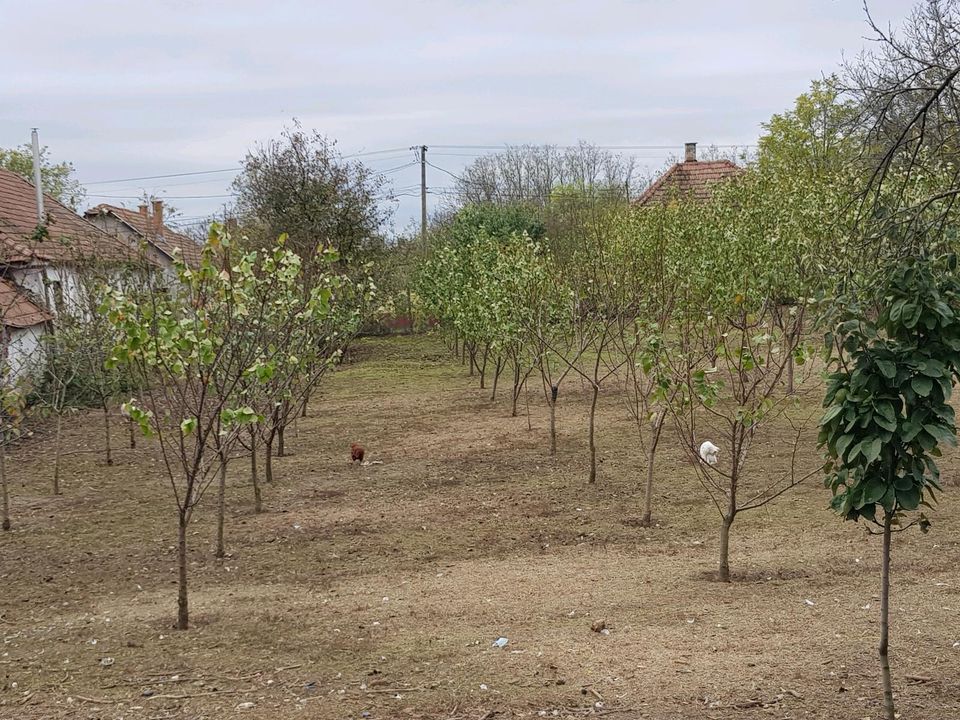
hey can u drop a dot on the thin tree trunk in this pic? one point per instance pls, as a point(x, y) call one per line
point(221, 504)
point(133, 433)
point(303, 408)
point(790, 365)
point(554, 391)
point(106, 433)
point(888, 708)
point(723, 574)
point(281, 447)
point(593, 444)
point(473, 358)
point(526, 394)
point(56, 456)
point(516, 388)
point(483, 369)
point(257, 500)
point(3, 485)
point(183, 611)
point(268, 457)
point(498, 368)
point(648, 490)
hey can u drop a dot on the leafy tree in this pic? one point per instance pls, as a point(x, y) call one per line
point(192, 348)
point(895, 355)
point(726, 388)
point(531, 173)
point(300, 186)
point(57, 178)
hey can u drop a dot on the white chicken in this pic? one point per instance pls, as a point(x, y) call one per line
point(709, 452)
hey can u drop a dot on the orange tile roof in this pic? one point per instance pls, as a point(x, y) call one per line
point(167, 240)
point(17, 310)
point(692, 179)
point(69, 236)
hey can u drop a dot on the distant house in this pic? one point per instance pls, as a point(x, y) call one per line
point(691, 179)
point(41, 258)
point(140, 229)
point(24, 323)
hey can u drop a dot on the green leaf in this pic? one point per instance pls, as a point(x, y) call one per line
point(922, 386)
point(888, 369)
point(831, 413)
point(909, 499)
point(871, 449)
point(843, 443)
point(874, 490)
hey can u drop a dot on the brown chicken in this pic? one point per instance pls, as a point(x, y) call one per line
point(356, 452)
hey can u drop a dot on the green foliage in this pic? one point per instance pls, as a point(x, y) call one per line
point(300, 185)
point(482, 283)
point(496, 221)
point(888, 412)
point(240, 320)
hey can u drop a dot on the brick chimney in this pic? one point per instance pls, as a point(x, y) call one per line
point(144, 210)
point(158, 215)
point(690, 152)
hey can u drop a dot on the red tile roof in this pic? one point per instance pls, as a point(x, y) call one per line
point(69, 237)
point(17, 310)
point(167, 241)
point(691, 179)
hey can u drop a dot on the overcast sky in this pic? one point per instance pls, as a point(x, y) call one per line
point(128, 89)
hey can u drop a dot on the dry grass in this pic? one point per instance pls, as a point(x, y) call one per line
point(380, 589)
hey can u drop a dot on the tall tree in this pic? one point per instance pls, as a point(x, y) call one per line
point(530, 173)
point(299, 185)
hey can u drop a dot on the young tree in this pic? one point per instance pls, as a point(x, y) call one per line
point(62, 365)
point(193, 350)
point(895, 351)
point(726, 390)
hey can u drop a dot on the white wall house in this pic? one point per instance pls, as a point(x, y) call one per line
point(40, 264)
point(24, 323)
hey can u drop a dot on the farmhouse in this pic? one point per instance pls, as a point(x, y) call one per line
point(40, 265)
point(42, 259)
point(143, 229)
point(691, 179)
point(24, 324)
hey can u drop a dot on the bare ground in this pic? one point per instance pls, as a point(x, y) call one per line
point(378, 591)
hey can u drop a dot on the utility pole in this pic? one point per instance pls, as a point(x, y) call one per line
point(423, 195)
point(37, 181)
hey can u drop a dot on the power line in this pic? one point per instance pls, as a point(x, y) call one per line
point(508, 146)
point(505, 146)
point(455, 177)
point(230, 169)
point(398, 167)
point(160, 177)
point(165, 197)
